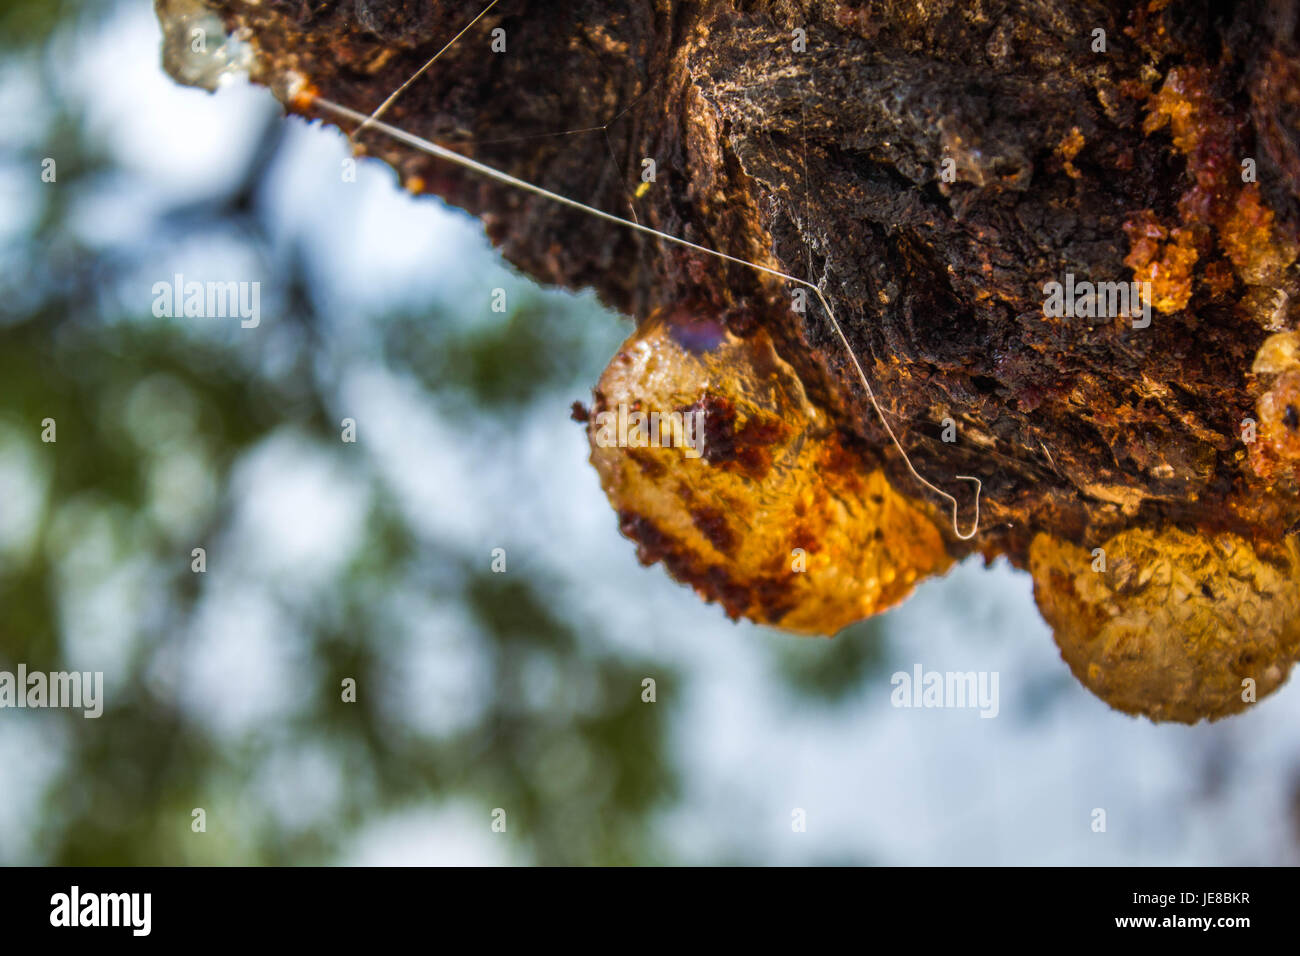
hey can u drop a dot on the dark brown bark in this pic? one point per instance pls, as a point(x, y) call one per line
point(1069, 424)
point(826, 163)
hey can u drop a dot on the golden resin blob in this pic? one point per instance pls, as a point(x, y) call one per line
point(720, 466)
point(1169, 624)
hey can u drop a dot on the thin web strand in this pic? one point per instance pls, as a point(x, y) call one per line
point(613, 160)
point(441, 152)
point(383, 107)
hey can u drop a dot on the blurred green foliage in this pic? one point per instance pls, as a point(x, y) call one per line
point(831, 672)
point(27, 23)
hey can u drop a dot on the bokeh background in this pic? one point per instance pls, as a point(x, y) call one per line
point(372, 560)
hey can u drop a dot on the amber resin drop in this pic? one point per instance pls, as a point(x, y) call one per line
point(772, 515)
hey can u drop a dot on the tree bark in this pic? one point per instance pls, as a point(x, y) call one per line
point(813, 138)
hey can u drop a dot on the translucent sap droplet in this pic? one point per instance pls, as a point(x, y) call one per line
point(196, 49)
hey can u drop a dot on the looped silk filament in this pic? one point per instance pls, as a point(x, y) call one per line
point(372, 121)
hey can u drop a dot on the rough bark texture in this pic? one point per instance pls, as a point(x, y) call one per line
point(826, 161)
